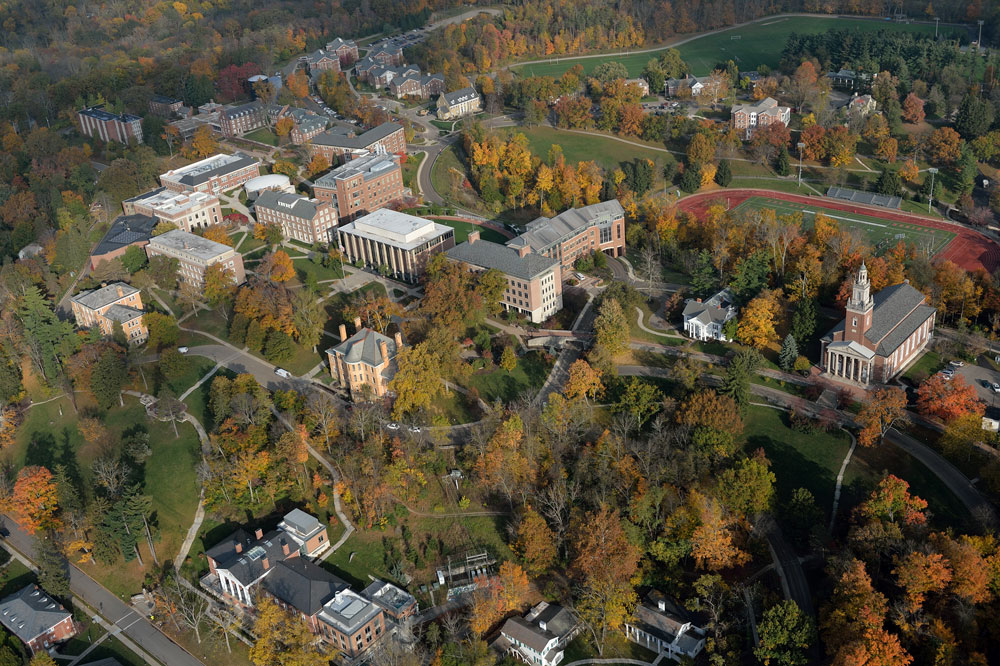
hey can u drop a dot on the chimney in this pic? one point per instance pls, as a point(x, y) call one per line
point(473, 236)
point(258, 534)
point(121, 292)
point(385, 349)
point(523, 251)
point(266, 564)
point(239, 548)
point(284, 548)
point(399, 341)
point(343, 333)
point(357, 323)
point(662, 605)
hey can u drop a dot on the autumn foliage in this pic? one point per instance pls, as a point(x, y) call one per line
point(34, 501)
point(947, 399)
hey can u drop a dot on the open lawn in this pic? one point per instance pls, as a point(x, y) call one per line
point(447, 162)
point(263, 135)
point(608, 152)
point(305, 266)
point(880, 232)
point(410, 168)
point(498, 384)
point(462, 230)
point(749, 46)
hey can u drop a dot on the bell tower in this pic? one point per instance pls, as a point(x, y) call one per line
point(859, 307)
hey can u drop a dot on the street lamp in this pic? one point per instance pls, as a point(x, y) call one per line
point(930, 197)
point(979, 42)
point(936, 22)
point(801, 145)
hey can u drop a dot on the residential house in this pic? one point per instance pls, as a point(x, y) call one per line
point(364, 363)
point(37, 619)
point(577, 233)
point(706, 320)
point(362, 185)
point(663, 626)
point(243, 118)
point(861, 106)
point(534, 281)
point(300, 218)
point(125, 231)
point(106, 126)
point(381, 76)
point(219, 173)
point(674, 87)
point(422, 86)
point(185, 210)
point(364, 67)
point(166, 107)
point(102, 308)
point(306, 124)
point(457, 104)
point(338, 142)
point(751, 79)
point(322, 61)
point(540, 637)
point(239, 563)
point(844, 78)
point(386, 54)
point(394, 243)
point(642, 84)
point(880, 335)
point(748, 117)
point(346, 50)
point(195, 254)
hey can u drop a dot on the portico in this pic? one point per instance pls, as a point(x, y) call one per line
point(850, 361)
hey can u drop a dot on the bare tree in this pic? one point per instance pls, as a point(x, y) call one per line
point(184, 605)
point(324, 414)
point(111, 473)
point(649, 263)
point(168, 407)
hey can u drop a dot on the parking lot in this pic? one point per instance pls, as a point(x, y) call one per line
point(983, 379)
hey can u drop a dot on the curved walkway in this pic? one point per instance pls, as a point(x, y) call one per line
point(969, 249)
point(840, 478)
point(662, 334)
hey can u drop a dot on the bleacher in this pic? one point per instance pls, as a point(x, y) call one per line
point(868, 198)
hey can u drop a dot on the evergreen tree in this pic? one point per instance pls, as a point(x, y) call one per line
point(974, 118)
point(49, 339)
point(783, 165)
point(108, 378)
point(789, 352)
point(53, 569)
point(889, 183)
point(804, 320)
point(279, 347)
point(691, 178)
point(750, 275)
point(736, 383)
point(724, 174)
point(118, 333)
point(703, 277)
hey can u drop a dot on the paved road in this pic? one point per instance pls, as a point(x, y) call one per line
point(134, 626)
point(433, 149)
point(242, 362)
point(793, 578)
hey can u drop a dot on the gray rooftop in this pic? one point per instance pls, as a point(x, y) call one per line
point(283, 202)
point(503, 258)
point(370, 166)
point(364, 347)
point(100, 113)
point(248, 564)
point(527, 633)
point(122, 313)
point(337, 42)
point(401, 230)
point(893, 306)
point(208, 168)
point(667, 624)
point(303, 585)
point(301, 522)
point(556, 619)
point(544, 232)
point(243, 109)
point(95, 299)
point(178, 240)
point(31, 612)
point(348, 611)
point(125, 230)
point(388, 596)
point(340, 139)
point(459, 96)
point(714, 310)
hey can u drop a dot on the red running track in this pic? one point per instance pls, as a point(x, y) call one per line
point(969, 249)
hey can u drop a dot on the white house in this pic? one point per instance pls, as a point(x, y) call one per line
point(705, 320)
point(660, 625)
point(540, 636)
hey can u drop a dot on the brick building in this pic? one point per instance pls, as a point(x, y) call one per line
point(748, 117)
point(116, 302)
point(534, 281)
point(393, 242)
point(460, 103)
point(166, 107)
point(307, 125)
point(195, 254)
point(386, 55)
point(219, 173)
point(322, 61)
point(37, 619)
point(424, 86)
point(107, 126)
point(362, 185)
point(125, 231)
point(346, 50)
point(300, 218)
point(880, 336)
point(576, 233)
point(337, 142)
point(365, 363)
point(186, 210)
point(243, 118)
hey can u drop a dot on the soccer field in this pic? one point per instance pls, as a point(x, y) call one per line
point(875, 229)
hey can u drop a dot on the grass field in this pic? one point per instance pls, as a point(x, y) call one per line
point(462, 230)
point(757, 44)
point(498, 384)
point(873, 228)
point(263, 135)
point(607, 152)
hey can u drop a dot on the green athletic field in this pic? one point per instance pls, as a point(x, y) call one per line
point(749, 46)
point(874, 228)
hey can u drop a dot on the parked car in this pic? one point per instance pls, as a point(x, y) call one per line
point(392, 426)
point(956, 364)
point(415, 430)
point(281, 372)
point(580, 276)
point(183, 350)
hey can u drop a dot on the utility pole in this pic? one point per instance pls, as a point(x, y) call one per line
point(930, 198)
point(801, 145)
point(936, 22)
point(979, 42)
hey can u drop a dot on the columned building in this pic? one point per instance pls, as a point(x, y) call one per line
point(396, 244)
point(880, 336)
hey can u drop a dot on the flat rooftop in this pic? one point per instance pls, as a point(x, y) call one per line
point(171, 203)
point(206, 169)
point(182, 242)
point(369, 166)
point(395, 228)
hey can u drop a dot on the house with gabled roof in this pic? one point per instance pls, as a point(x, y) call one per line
point(364, 363)
point(113, 303)
point(459, 103)
point(37, 619)
point(706, 320)
point(300, 218)
point(540, 636)
point(125, 231)
point(660, 624)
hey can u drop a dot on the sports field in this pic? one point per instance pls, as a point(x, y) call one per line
point(881, 233)
point(749, 46)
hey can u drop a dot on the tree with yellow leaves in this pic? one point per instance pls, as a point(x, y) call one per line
point(536, 543)
point(283, 638)
point(584, 382)
point(217, 232)
point(318, 164)
point(297, 84)
point(203, 142)
point(757, 322)
point(284, 126)
point(508, 592)
point(713, 540)
point(277, 266)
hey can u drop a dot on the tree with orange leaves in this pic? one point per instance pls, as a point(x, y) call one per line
point(508, 592)
point(713, 544)
point(970, 572)
point(317, 164)
point(217, 232)
point(297, 84)
point(284, 126)
point(584, 382)
point(536, 543)
point(879, 412)
point(875, 647)
point(502, 466)
point(277, 266)
point(919, 574)
point(854, 606)
point(909, 171)
point(892, 502)
point(9, 420)
point(34, 502)
point(947, 399)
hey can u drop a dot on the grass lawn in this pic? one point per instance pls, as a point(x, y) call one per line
point(446, 161)
point(249, 244)
point(876, 229)
point(451, 408)
point(304, 267)
point(617, 646)
point(14, 577)
point(656, 338)
point(928, 363)
point(750, 46)
point(263, 135)
point(606, 151)
point(462, 230)
point(446, 125)
point(498, 384)
point(410, 168)
point(797, 460)
point(209, 321)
